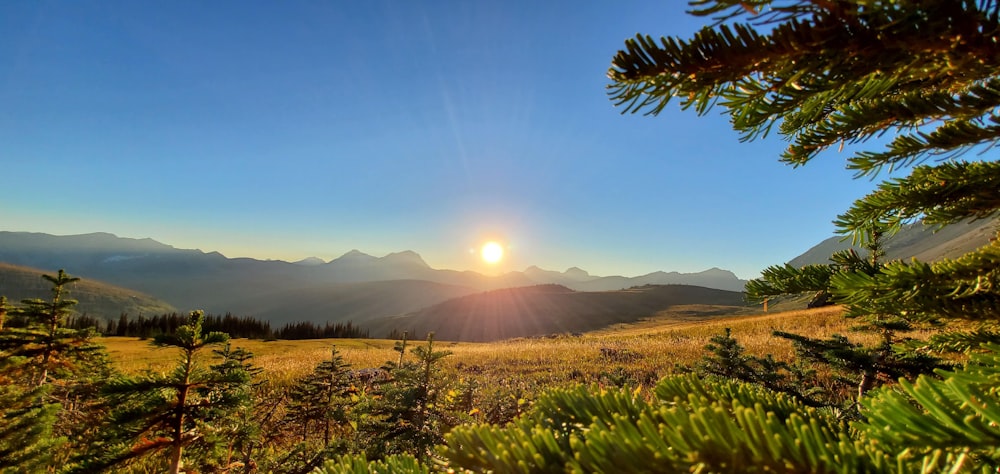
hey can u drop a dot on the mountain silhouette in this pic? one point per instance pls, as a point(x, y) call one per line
point(399, 287)
point(353, 286)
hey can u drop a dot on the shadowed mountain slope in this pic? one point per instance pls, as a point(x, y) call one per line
point(711, 278)
point(192, 279)
point(96, 299)
point(357, 302)
point(546, 309)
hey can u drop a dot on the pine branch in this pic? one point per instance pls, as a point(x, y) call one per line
point(359, 464)
point(26, 441)
point(958, 414)
point(818, 125)
point(942, 194)
point(693, 426)
point(786, 279)
point(829, 72)
point(964, 288)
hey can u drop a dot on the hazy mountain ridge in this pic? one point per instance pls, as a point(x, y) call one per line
point(580, 280)
point(362, 287)
point(384, 292)
point(711, 278)
point(190, 279)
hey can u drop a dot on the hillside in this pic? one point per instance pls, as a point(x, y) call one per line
point(546, 309)
point(355, 302)
point(95, 298)
point(916, 240)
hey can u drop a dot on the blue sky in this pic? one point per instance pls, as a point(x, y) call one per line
point(291, 129)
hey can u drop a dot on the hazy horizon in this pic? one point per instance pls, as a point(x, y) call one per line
point(483, 268)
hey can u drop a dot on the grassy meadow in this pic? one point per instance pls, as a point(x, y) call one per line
point(641, 352)
point(495, 382)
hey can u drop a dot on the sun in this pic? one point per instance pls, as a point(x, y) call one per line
point(491, 252)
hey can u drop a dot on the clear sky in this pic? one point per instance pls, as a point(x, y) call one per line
point(282, 130)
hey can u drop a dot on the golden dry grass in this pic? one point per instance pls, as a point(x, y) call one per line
point(646, 350)
point(281, 360)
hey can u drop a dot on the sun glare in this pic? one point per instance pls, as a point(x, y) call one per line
point(492, 252)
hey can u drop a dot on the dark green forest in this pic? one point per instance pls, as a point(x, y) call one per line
point(235, 326)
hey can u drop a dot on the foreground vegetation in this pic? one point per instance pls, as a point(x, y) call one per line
point(130, 405)
point(191, 401)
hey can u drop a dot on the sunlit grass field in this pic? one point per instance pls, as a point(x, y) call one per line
point(643, 351)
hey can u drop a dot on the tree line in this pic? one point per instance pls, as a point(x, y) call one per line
point(236, 326)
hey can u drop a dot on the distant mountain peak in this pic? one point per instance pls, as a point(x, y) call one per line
point(353, 258)
point(716, 271)
point(541, 275)
point(310, 261)
point(403, 254)
point(576, 272)
point(406, 257)
point(355, 253)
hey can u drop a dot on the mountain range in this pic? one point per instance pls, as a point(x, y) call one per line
point(354, 287)
point(398, 291)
